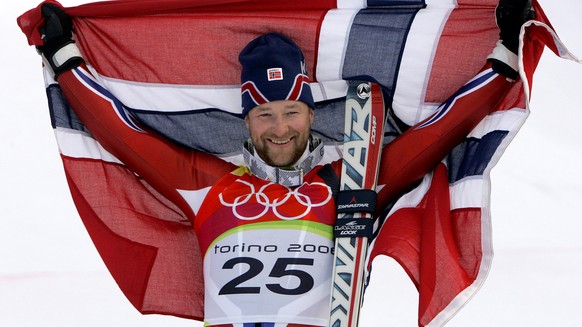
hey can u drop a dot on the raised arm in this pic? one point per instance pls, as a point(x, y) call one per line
point(418, 150)
point(165, 165)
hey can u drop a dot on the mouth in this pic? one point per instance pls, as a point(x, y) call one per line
point(280, 141)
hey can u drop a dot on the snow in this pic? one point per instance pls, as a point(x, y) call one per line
point(51, 275)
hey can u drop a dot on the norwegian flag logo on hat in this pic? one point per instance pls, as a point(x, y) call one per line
point(274, 74)
point(273, 68)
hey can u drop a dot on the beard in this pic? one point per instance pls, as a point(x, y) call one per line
point(281, 155)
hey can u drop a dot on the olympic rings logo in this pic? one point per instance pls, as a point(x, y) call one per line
point(284, 203)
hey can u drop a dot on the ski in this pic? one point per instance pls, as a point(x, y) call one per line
point(363, 136)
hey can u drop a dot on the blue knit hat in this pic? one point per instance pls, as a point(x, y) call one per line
point(273, 68)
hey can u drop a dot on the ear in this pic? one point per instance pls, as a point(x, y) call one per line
point(247, 121)
point(311, 116)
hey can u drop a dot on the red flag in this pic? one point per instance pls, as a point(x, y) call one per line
point(186, 64)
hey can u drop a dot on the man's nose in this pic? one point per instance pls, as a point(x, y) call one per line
point(280, 127)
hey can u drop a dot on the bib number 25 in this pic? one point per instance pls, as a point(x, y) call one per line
point(281, 268)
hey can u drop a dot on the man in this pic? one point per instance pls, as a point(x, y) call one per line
point(265, 227)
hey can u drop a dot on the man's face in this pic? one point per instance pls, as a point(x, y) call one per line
point(280, 131)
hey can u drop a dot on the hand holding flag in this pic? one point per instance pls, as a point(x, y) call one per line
point(59, 50)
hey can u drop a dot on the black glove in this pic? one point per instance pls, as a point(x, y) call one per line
point(58, 34)
point(510, 15)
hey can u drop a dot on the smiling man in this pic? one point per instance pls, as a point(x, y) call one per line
point(279, 131)
point(264, 229)
point(276, 99)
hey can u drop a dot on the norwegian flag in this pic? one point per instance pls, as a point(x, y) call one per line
point(161, 59)
point(275, 74)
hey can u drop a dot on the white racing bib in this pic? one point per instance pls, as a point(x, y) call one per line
point(270, 272)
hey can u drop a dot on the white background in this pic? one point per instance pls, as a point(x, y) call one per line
point(51, 275)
